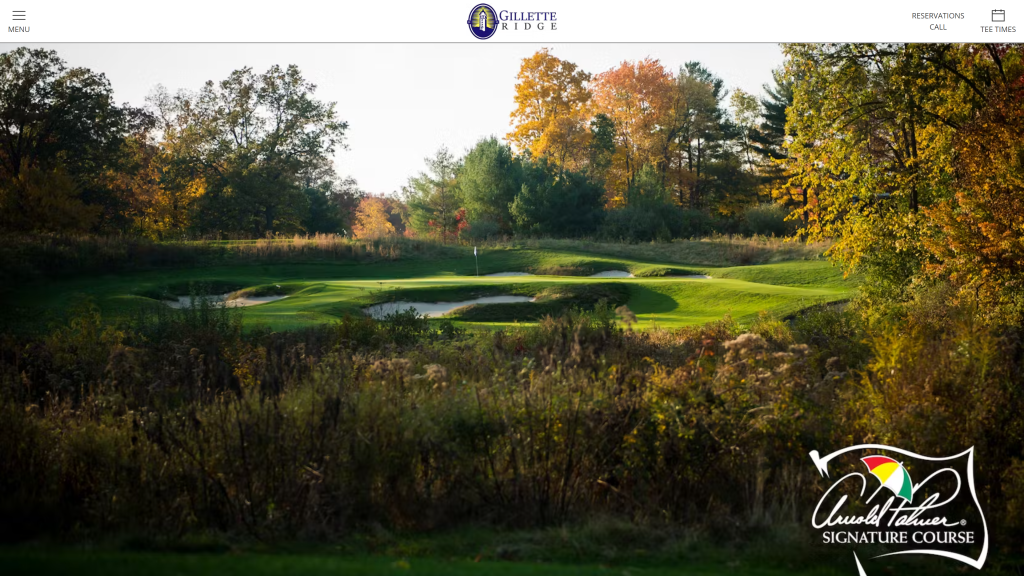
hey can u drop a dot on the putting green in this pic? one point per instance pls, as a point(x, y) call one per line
point(659, 294)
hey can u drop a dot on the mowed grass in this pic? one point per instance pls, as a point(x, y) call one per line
point(22, 561)
point(326, 291)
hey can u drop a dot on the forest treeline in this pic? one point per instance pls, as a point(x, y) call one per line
point(252, 155)
point(245, 156)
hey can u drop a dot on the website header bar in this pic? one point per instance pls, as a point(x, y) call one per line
point(533, 21)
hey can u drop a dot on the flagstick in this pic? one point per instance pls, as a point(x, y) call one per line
point(477, 258)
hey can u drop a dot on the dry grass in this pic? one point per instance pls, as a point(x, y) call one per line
point(716, 250)
point(330, 246)
point(29, 257)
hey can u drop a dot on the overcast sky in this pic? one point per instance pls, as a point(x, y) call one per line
point(402, 101)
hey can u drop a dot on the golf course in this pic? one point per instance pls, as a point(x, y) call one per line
point(543, 282)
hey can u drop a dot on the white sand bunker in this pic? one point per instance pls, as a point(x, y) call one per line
point(222, 300)
point(700, 276)
point(509, 274)
point(435, 309)
point(612, 274)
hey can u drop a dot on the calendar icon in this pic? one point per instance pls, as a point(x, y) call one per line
point(999, 15)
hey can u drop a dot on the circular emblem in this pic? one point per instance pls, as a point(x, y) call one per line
point(483, 22)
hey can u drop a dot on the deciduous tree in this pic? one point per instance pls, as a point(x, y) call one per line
point(59, 122)
point(372, 219)
point(746, 111)
point(250, 138)
point(873, 128)
point(976, 236)
point(552, 110)
point(636, 97)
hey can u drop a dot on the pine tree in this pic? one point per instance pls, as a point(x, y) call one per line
point(768, 139)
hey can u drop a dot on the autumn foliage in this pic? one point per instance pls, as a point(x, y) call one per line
point(372, 219)
point(912, 158)
point(552, 110)
point(638, 114)
point(636, 97)
point(979, 238)
point(906, 157)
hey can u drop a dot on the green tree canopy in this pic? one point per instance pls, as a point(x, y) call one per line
point(435, 198)
point(489, 179)
point(248, 139)
point(60, 120)
point(556, 202)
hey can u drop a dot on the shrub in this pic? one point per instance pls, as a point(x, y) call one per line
point(483, 230)
point(655, 222)
point(635, 224)
point(767, 220)
point(688, 223)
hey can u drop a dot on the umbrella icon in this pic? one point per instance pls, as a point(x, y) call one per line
point(891, 474)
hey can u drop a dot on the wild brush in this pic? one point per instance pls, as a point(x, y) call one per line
point(183, 423)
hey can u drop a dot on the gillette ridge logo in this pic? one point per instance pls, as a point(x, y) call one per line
point(484, 21)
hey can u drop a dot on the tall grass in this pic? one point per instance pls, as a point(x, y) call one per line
point(182, 423)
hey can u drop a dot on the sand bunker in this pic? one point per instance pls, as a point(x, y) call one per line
point(612, 274)
point(222, 300)
point(509, 274)
point(435, 309)
point(700, 276)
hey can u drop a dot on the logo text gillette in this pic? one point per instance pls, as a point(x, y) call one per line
point(528, 20)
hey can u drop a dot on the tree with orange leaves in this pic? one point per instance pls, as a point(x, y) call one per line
point(637, 97)
point(978, 239)
point(552, 111)
point(372, 220)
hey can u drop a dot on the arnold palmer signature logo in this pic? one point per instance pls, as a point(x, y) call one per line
point(879, 503)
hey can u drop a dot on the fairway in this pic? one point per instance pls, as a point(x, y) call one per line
point(661, 294)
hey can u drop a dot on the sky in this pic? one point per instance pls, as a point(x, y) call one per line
point(402, 101)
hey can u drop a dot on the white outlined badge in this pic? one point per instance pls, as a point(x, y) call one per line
point(821, 462)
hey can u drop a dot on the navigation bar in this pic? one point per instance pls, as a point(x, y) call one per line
point(533, 21)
